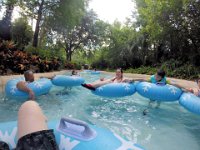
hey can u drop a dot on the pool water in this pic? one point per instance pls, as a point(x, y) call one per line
point(168, 127)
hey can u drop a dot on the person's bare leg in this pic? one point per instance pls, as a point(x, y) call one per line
point(158, 104)
point(150, 105)
point(100, 83)
point(30, 119)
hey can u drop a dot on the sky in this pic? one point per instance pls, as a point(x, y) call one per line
point(110, 10)
point(107, 10)
point(15, 13)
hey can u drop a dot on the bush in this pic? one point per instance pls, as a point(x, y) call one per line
point(173, 68)
point(7, 46)
point(100, 64)
point(15, 61)
point(21, 33)
point(69, 65)
point(182, 70)
point(47, 53)
point(142, 70)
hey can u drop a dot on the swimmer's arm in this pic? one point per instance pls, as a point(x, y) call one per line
point(22, 86)
point(111, 79)
point(102, 79)
point(179, 86)
point(127, 80)
point(51, 77)
point(195, 91)
point(141, 79)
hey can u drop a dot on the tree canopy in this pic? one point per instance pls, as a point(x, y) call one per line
point(161, 33)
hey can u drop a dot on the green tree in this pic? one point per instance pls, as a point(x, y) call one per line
point(123, 48)
point(21, 32)
point(170, 28)
point(5, 23)
point(38, 10)
point(86, 35)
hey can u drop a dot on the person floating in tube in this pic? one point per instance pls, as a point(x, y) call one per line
point(29, 77)
point(22, 85)
point(117, 79)
point(158, 78)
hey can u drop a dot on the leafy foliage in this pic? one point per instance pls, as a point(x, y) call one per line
point(21, 33)
point(86, 35)
point(5, 23)
point(14, 61)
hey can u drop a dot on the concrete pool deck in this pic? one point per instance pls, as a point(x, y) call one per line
point(184, 83)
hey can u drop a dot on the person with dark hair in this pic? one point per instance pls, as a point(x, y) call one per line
point(22, 85)
point(29, 77)
point(158, 78)
point(117, 79)
point(74, 73)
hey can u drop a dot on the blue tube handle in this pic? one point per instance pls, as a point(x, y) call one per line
point(86, 134)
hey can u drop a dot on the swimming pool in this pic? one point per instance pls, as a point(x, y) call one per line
point(169, 127)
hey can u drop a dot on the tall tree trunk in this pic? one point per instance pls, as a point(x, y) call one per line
point(68, 52)
point(145, 49)
point(37, 27)
point(5, 24)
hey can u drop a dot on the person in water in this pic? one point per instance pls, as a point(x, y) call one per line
point(160, 79)
point(117, 79)
point(22, 85)
point(74, 73)
point(33, 132)
point(29, 77)
point(196, 91)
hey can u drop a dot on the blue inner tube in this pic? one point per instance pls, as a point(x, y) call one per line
point(190, 102)
point(104, 139)
point(39, 87)
point(67, 81)
point(158, 92)
point(115, 90)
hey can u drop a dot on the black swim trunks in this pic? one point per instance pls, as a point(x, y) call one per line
point(88, 86)
point(4, 146)
point(41, 140)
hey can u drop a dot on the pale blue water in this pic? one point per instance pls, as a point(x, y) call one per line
point(169, 127)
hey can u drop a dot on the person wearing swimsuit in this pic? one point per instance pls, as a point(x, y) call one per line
point(117, 79)
point(29, 78)
point(22, 85)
